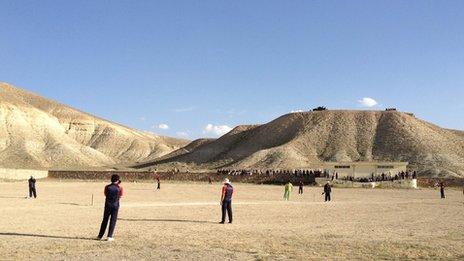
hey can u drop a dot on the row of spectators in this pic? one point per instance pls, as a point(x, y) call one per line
point(382, 177)
point(250, 172)
point(318, 173)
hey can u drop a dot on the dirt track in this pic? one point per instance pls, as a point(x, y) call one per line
point(180, 222)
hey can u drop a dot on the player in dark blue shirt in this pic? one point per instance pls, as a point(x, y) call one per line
point(226, 201)
point(113, 193)
point(32, 190)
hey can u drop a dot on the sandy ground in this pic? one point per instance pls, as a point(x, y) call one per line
point(180, 222)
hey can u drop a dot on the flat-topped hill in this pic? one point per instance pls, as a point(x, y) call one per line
point(296, 140)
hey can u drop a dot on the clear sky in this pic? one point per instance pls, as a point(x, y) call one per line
point(195, 68)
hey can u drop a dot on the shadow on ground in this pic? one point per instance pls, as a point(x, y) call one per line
point(45, 236)
point(164, 220)
point(73, 204)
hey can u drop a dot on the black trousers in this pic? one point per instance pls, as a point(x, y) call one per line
point(300, 190)
point(159, 186)
point(226, 207)
point(32, 191)
point(442, 193)
point(110, 213)
point(327, 196)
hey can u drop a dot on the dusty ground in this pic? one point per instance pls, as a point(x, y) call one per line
point(180, 222)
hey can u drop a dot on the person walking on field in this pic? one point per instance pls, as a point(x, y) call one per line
point(442, 189)
point(300, 187)
point(32, 190)
point(113, 193)
point(327, 191)
point(226, 201)
point(288, 190)
point(158, 182)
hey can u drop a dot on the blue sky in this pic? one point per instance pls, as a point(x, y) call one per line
point(200, 67)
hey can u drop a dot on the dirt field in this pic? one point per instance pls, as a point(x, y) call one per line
point(180, 222)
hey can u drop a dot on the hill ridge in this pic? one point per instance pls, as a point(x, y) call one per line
point(36, 132)
point(296, 140)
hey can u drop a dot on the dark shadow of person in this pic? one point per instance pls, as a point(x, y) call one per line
point(44, 236)
point(164, 220)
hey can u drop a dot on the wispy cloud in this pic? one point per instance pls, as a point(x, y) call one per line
point(142, 118)
point(186, 109)
point(367, 102)
point(217, 130)
point(162, 126)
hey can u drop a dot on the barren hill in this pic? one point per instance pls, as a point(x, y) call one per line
point(296, 140)
point(39, 133)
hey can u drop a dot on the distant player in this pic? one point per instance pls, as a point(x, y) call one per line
point(300, 187)
point(113, 193)
point(158, 182)
point(327, 191)
point(226, 201)
point(32, 190)
point(442, 189)
point(288, 190)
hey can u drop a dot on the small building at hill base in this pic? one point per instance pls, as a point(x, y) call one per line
point(364, 169)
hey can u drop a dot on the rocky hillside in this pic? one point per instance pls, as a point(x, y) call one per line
point(296, 140)
point(39, 133)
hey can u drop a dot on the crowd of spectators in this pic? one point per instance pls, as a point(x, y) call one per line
point(319, 173)
point(271, 172)
point(382, 177)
